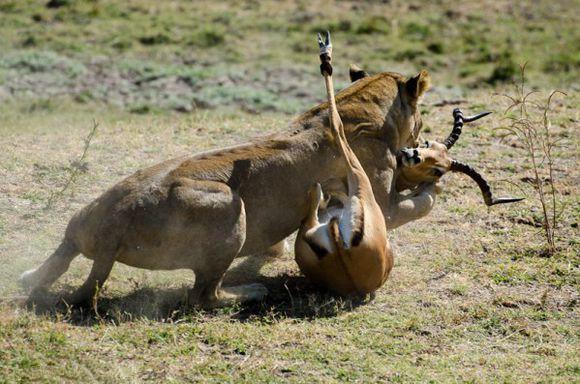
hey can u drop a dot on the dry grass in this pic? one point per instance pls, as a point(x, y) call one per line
point(470, 299)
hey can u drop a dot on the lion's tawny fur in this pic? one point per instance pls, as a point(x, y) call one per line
point(200, 212)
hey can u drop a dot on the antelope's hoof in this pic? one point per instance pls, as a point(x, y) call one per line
point(325, 45)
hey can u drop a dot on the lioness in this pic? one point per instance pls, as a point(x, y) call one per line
point(200, 212)
point(344, 247)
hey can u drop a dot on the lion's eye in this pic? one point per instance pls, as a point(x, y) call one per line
point(437, 172)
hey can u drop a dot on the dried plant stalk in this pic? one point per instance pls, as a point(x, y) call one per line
point(532, 127)
point(73, 170)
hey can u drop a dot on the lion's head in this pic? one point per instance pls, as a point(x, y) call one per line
point(384, 106)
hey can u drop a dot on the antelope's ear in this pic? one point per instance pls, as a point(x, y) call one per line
point(356, 73)
point(418, 85)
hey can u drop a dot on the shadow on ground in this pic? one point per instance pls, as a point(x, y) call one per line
point(290, 296)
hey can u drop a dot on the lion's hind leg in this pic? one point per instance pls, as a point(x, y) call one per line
point(213, 234)
point(102, 265)
point(208, 292)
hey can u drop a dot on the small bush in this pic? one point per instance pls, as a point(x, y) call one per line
point(435, 47)
point(29, 41)
point(58, 3)
point(374, 24)
point(467, 70)
point(224, 18)
point(157, 39)
point(409, 54)
point(38, 18)
point(84, 97)
point(40, 105)
point(8, 6)
point(122, 45)
point(480, 53)
point(141, 109)
point(563, 62)
point(332, 26)
point(416, 31)
point(505, 69)
point(208, 37)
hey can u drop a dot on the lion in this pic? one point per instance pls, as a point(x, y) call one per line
point(200, 212)
point(344, 247)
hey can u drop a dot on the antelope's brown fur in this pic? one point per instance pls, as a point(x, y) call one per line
point(434, 162)
point(357, 259)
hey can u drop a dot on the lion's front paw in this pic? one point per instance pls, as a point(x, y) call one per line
point(243, 293)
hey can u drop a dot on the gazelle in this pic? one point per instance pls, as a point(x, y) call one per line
point(429, 163)
point(344, 246)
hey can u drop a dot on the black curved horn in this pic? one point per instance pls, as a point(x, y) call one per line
point(457, 166)
point(458, 120)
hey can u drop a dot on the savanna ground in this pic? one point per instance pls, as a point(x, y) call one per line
point(473, 296)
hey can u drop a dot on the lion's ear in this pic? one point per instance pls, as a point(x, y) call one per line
point(418, 85)
point(356, 73)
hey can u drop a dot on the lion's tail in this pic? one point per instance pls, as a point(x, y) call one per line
point(49, 271)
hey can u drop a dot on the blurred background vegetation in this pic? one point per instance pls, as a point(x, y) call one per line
point(261, 55)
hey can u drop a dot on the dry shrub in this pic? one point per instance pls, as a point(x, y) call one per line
point(529, 121)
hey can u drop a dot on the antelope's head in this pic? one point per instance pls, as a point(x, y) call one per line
point(430, 162)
